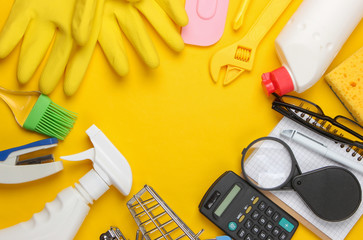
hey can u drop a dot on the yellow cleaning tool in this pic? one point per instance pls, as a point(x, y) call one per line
point(238, 21)
point(36, 112)
point(38, 22)
point(128, 15)
point(346, 81)
point(239, 56)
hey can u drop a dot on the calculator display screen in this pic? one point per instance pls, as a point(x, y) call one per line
point(231, 195)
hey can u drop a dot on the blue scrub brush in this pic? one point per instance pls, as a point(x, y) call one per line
point(36, 112)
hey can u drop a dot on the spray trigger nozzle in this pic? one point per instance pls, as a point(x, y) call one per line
point(107, 161)
point(88, 154)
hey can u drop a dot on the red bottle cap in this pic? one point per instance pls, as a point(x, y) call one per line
point(278, 81)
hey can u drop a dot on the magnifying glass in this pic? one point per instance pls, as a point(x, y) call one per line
point(332, 193)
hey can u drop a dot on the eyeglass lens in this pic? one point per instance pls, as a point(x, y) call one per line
point(298, 102)
point(267, 164)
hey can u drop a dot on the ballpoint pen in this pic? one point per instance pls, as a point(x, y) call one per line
point(320, 148)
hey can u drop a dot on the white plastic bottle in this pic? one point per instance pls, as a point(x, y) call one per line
point(310, 41)
point(61, 218)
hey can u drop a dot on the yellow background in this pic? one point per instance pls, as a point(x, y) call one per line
point(176, 127)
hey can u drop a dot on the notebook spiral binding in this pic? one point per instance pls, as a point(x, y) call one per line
point(356, 150)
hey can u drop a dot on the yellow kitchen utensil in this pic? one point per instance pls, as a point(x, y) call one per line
point(241, 14)
point(239, 56)
point(37, 112)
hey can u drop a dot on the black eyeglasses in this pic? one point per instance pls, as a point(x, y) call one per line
point(340, 129)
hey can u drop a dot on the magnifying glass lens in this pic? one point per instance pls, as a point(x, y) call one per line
point(267, 164)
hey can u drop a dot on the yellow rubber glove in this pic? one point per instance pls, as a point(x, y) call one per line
point(127, 15)
point(80, 59)
point(38, 21)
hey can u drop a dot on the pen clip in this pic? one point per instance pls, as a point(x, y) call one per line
point(310, 138)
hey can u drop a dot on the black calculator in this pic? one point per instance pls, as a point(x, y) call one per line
point(243, 212)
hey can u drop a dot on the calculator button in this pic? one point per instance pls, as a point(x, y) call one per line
point(269, 238)
point(255, 200)
point(288, 226)
point(276, 216)
point(249, 237)
point(248, 224)
point(263, 235)
point(276, 231)
point(255, 229)
point(262, 206)
point(248, 209)
point(241, 233)
point(255, 215)
point(232, 226)
point(283, 236)
point(262, 220)
point(241, 218)
point(269, 211)
point(269, 226)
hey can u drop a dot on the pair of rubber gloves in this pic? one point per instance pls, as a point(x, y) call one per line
point(76, 26)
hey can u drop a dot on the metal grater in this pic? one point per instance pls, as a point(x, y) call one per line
point(155, 219)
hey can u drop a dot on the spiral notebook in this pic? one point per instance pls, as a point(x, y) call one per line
point(308, 161)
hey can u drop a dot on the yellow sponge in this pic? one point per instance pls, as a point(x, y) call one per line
point(346, 81)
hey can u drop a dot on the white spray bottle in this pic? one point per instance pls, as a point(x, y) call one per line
point(61, 219)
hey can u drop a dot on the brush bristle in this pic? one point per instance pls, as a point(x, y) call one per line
point(56, 122)
point(50, 119)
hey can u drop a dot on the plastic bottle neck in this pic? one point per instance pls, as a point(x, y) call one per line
point(91, 186)
point(278, 81)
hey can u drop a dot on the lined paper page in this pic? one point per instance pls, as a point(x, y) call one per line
point(308, 161)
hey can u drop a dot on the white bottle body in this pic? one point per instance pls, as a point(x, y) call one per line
point(312, 38)
point(59, 220)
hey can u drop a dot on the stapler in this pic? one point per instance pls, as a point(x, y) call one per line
point(19, 164)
